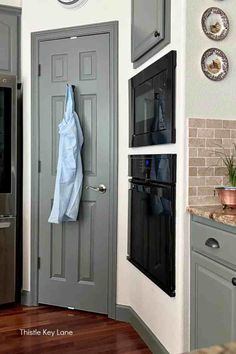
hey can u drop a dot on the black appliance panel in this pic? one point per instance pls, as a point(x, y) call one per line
point(8, 145)
point(5, 139)
point(156, 168)
point(152, 222)
point(10, 189)
point(152, 103)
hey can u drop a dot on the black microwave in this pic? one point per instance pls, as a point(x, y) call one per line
point(152, 103)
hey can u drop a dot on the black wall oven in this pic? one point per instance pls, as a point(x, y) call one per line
point(152, 103)
point(10, 190)
point(152, 218)
point(8, 145)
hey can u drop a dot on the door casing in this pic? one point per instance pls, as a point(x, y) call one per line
point(112, 29)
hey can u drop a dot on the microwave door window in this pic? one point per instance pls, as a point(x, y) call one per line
point(5, 140)
point(144, 107)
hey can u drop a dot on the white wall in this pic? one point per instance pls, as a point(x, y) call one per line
point(206, 98)
point(167, 318)
point(11, 2)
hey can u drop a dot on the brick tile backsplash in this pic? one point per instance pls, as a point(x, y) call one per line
point(197, 123)
point(193, 152)
point(205, 133)
point(213, 123)
point(222, 133)
point(206, 170)
point(193, 171)
point(229, 124)
point(196, 161)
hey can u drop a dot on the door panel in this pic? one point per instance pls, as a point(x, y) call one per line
point(74, 255)
point(147, 25)
point(58, 103)
point(8, 44)
point(213, 303)
point(88, 104)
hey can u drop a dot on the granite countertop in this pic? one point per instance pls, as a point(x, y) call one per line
point(216, 213)
point(218, 349)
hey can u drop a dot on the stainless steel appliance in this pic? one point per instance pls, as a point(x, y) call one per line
point(152, 218)
point(8, 187)
point(152, 103)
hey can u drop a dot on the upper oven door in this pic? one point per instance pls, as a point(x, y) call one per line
point(8, 143)
point(152, 233)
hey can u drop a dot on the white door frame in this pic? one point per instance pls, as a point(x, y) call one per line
point(36, 38)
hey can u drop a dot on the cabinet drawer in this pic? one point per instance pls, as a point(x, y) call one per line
point(217, 244)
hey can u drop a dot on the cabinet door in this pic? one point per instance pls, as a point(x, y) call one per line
point(8, 43)
point(213, 303)
point(148, 25)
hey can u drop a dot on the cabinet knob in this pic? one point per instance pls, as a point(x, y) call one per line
point(212, 243)
point(157, 34)
point(234, 281)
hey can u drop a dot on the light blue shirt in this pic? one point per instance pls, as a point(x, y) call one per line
point(69, 179)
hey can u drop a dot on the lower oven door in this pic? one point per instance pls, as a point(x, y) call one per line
point(152, 233)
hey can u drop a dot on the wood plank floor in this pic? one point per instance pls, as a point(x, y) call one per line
point(91, 333)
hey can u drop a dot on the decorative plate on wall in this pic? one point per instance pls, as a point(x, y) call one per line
point(215, 64)
point(215, 23)
point(72, 3)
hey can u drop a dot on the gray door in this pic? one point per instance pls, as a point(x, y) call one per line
point(213, 303)
point(74, 256)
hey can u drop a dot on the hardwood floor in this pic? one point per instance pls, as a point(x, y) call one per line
point(91, 333)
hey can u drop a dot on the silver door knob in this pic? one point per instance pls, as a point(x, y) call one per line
point(101, 188)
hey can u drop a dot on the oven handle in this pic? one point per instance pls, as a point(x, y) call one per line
point(141, 188)
point(150, 184)
point(148, 189)
point(4, 225)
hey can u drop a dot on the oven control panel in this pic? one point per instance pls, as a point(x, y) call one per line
point(157, 168)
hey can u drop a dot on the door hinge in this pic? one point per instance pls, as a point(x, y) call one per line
point(39, 70)
point(39, 262)
point(39, 166)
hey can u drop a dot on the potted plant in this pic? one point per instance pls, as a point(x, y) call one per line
point(227, 194)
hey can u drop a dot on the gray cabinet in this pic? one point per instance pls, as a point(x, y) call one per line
point(9, 40)
point(150, 26)
point(213, 285)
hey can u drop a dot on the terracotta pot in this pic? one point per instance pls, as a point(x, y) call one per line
point(227, 196)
